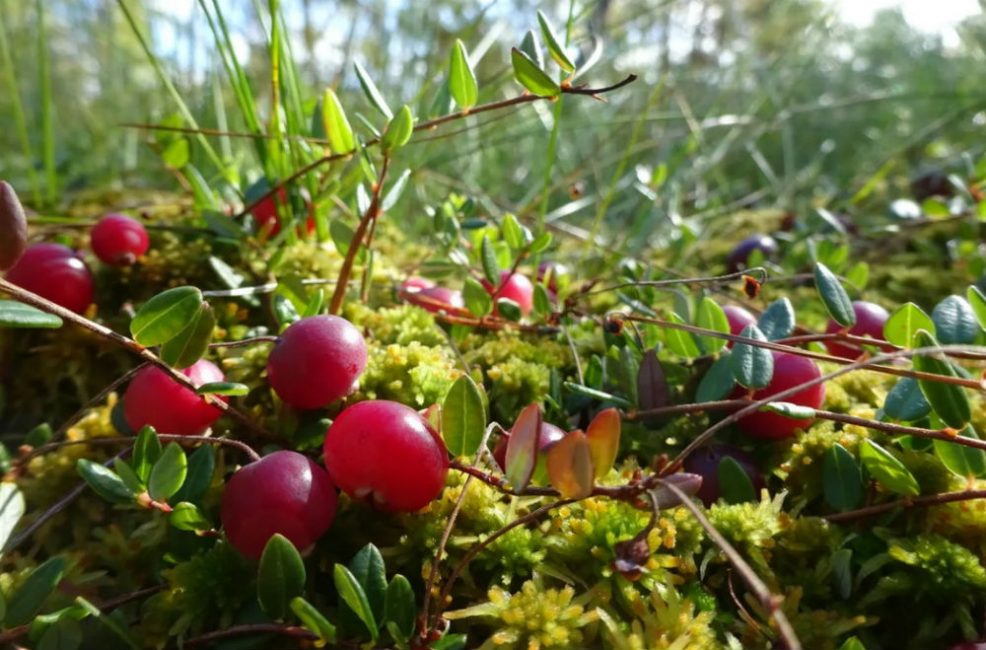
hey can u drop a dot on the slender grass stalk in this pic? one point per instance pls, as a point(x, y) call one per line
point(47, 110)
point(173, 91)
point(10, 80)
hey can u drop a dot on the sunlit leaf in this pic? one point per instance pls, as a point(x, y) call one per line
point(570, 468)
point(603, 435)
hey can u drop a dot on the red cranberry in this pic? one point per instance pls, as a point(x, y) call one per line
point(738, 318)
point(741, 253)
point(548, 435)
point(790, 370)
point(156, 399)
point(516, 287)
point(386, 453)
point(54, 272)
point(436, 299)
point(705, 462)
point(118, 240)
point(316, 361)
point(283, 492)
point(265, 214)
point(870, 319)
point(416, 284)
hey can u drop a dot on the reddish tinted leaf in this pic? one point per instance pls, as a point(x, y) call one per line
point(603, 436)
point(652, 386)
point(570, 466)
point(522, 448)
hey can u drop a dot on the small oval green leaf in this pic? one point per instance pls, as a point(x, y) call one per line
point(978, 303)
point(710, 316)
point(778, 320)
point(965, 462)
point(399, 130)
point(461, 78)
point(752, 366)
point(904, 323)
point(555, 48)
point(400, 608)
point(463, 417)
point(18, 315)
point(147, 450)
point(191, 343)
point(105, 482)
point(165, 315)
point(353, 595)
point(718, 380)
point(28, 599)
point(201, 466)
point(887, 470)
point(280, 576)
point(313, 619)
point(842, 479)
point(187, 516)
point(336, 124)
point(371, 91)
point(949, 401)
point(230, 388)
point(681, 342)
point(168, 473)
point(735, 485)
point(906, 402)
point(955, 321)
point(531, 77)
point(834, 296)
point(368, 568)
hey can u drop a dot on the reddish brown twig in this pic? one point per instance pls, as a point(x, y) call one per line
point(915, 502)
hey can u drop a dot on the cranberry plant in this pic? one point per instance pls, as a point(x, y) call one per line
point(344, 437)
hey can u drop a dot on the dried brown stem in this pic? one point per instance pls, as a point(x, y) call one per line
point(915, 502)
point(207, 640)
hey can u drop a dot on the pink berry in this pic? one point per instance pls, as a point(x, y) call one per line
point(118, 240)
point(516, 287)
point(316, 361)
point(54, 272)
point(705, 462)
point(790, 370)
point(870, 319)
point(283, 492)
point(548, 435)
point(436, 299)
point(416, 284)
point(738, 318)
point(386, 453)
point(153, 398)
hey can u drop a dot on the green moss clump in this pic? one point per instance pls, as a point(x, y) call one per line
point(413, 374)
point(401, 325)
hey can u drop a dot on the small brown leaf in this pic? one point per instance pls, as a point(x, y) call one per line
point(603, 436)
point(522, 448)
point(570, 466)
point(13, 227)
point(652, 386)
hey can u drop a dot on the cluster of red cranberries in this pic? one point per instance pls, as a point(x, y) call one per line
point(57, 272)
point(790, 370)
point(377, 451)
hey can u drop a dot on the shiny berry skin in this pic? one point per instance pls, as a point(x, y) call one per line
point(738, 318)
point(54, 272)
point(436, 299)
point(741, 252)
point(118, 240)
point(265, 214)
point(789, 371)
point(156, 399)
point(870, 319)
point(416, 284)
point(705, 462)
point(548, 435)
point(387, 454)
point(316, 361)
point(516, 287)
point(283, 492)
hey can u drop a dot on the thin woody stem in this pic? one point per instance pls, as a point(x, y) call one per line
point(29, 298)
point(917, 502)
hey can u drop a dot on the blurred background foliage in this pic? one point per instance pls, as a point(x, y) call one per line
point(740, 103)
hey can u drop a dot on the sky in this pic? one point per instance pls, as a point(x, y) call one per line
point(933, 16)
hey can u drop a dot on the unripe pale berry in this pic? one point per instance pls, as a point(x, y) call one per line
point(516, 287)
point(790, 370)
point(54, 272)
point(283, 492)
point(316, 361)
point(387, 454)
point(705, 462)
point(118, 240)
point(870, 319)
point(548, 435)
point(154, 398)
